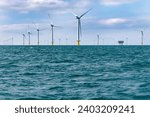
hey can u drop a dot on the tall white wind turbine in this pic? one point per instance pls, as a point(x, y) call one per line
point(52, 29)
point(79, 28)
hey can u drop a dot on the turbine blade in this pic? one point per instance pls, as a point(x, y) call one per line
point(85, 13)
point(51, 22)
point(57, 26)
point(43, 29)
point(24, 35)
point(27, 29)
point(98, 36)
point(35, 26)
point(74, 14)
point(30, 33)
point(49, 16)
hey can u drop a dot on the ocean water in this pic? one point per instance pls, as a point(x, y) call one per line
point(71, 72)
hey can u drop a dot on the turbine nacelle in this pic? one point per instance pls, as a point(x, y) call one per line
point(29, 33)
point(23, 35)
point(77, 17)
point(52, 25)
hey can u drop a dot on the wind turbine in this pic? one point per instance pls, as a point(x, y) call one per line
point(127, 40)
point(66, 41)
point(98, 39)
point(52, 29)
point(79, 30)
point(38, 33)
point(59, 42)
point(24, 36)
point(12, 39)
point(142, 37)
point(29, 35)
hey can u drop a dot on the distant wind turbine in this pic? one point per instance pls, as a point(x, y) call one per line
point(12, 39)
point(24, 36)
point(79, 28)
point(66, 41)
point(98, 39)
point(127, 40)
point(29, 35)
point(52, 29)
point(142, 37)
point(38, 33)
point(59, 41)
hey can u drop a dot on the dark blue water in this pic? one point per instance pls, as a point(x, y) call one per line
point(86, 72)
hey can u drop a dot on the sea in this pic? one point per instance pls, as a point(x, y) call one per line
point(74, 72)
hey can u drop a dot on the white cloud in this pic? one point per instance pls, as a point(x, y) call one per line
point(115, 2)
point(83, 3)
point(113, 21)
point(13, 27)
point(78, 7)
point(52, 6)
point(28, 5)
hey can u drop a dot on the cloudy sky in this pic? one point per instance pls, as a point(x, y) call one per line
point(113, 20)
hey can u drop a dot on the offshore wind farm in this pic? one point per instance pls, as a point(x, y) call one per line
point(32, 27)
point(74, 50)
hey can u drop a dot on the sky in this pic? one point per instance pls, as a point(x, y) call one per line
point(113, 20)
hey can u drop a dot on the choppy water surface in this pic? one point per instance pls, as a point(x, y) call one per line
point(86, 72)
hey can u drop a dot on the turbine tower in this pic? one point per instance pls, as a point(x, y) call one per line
point(127, 40)
point(66, 41)
point(52, 28)
point(142, 37)
point(59, 42)
point(98, 39)
point(29, 35)
point(23, 38)
point(38, 36)
point(79, 28)
point(12, 41)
